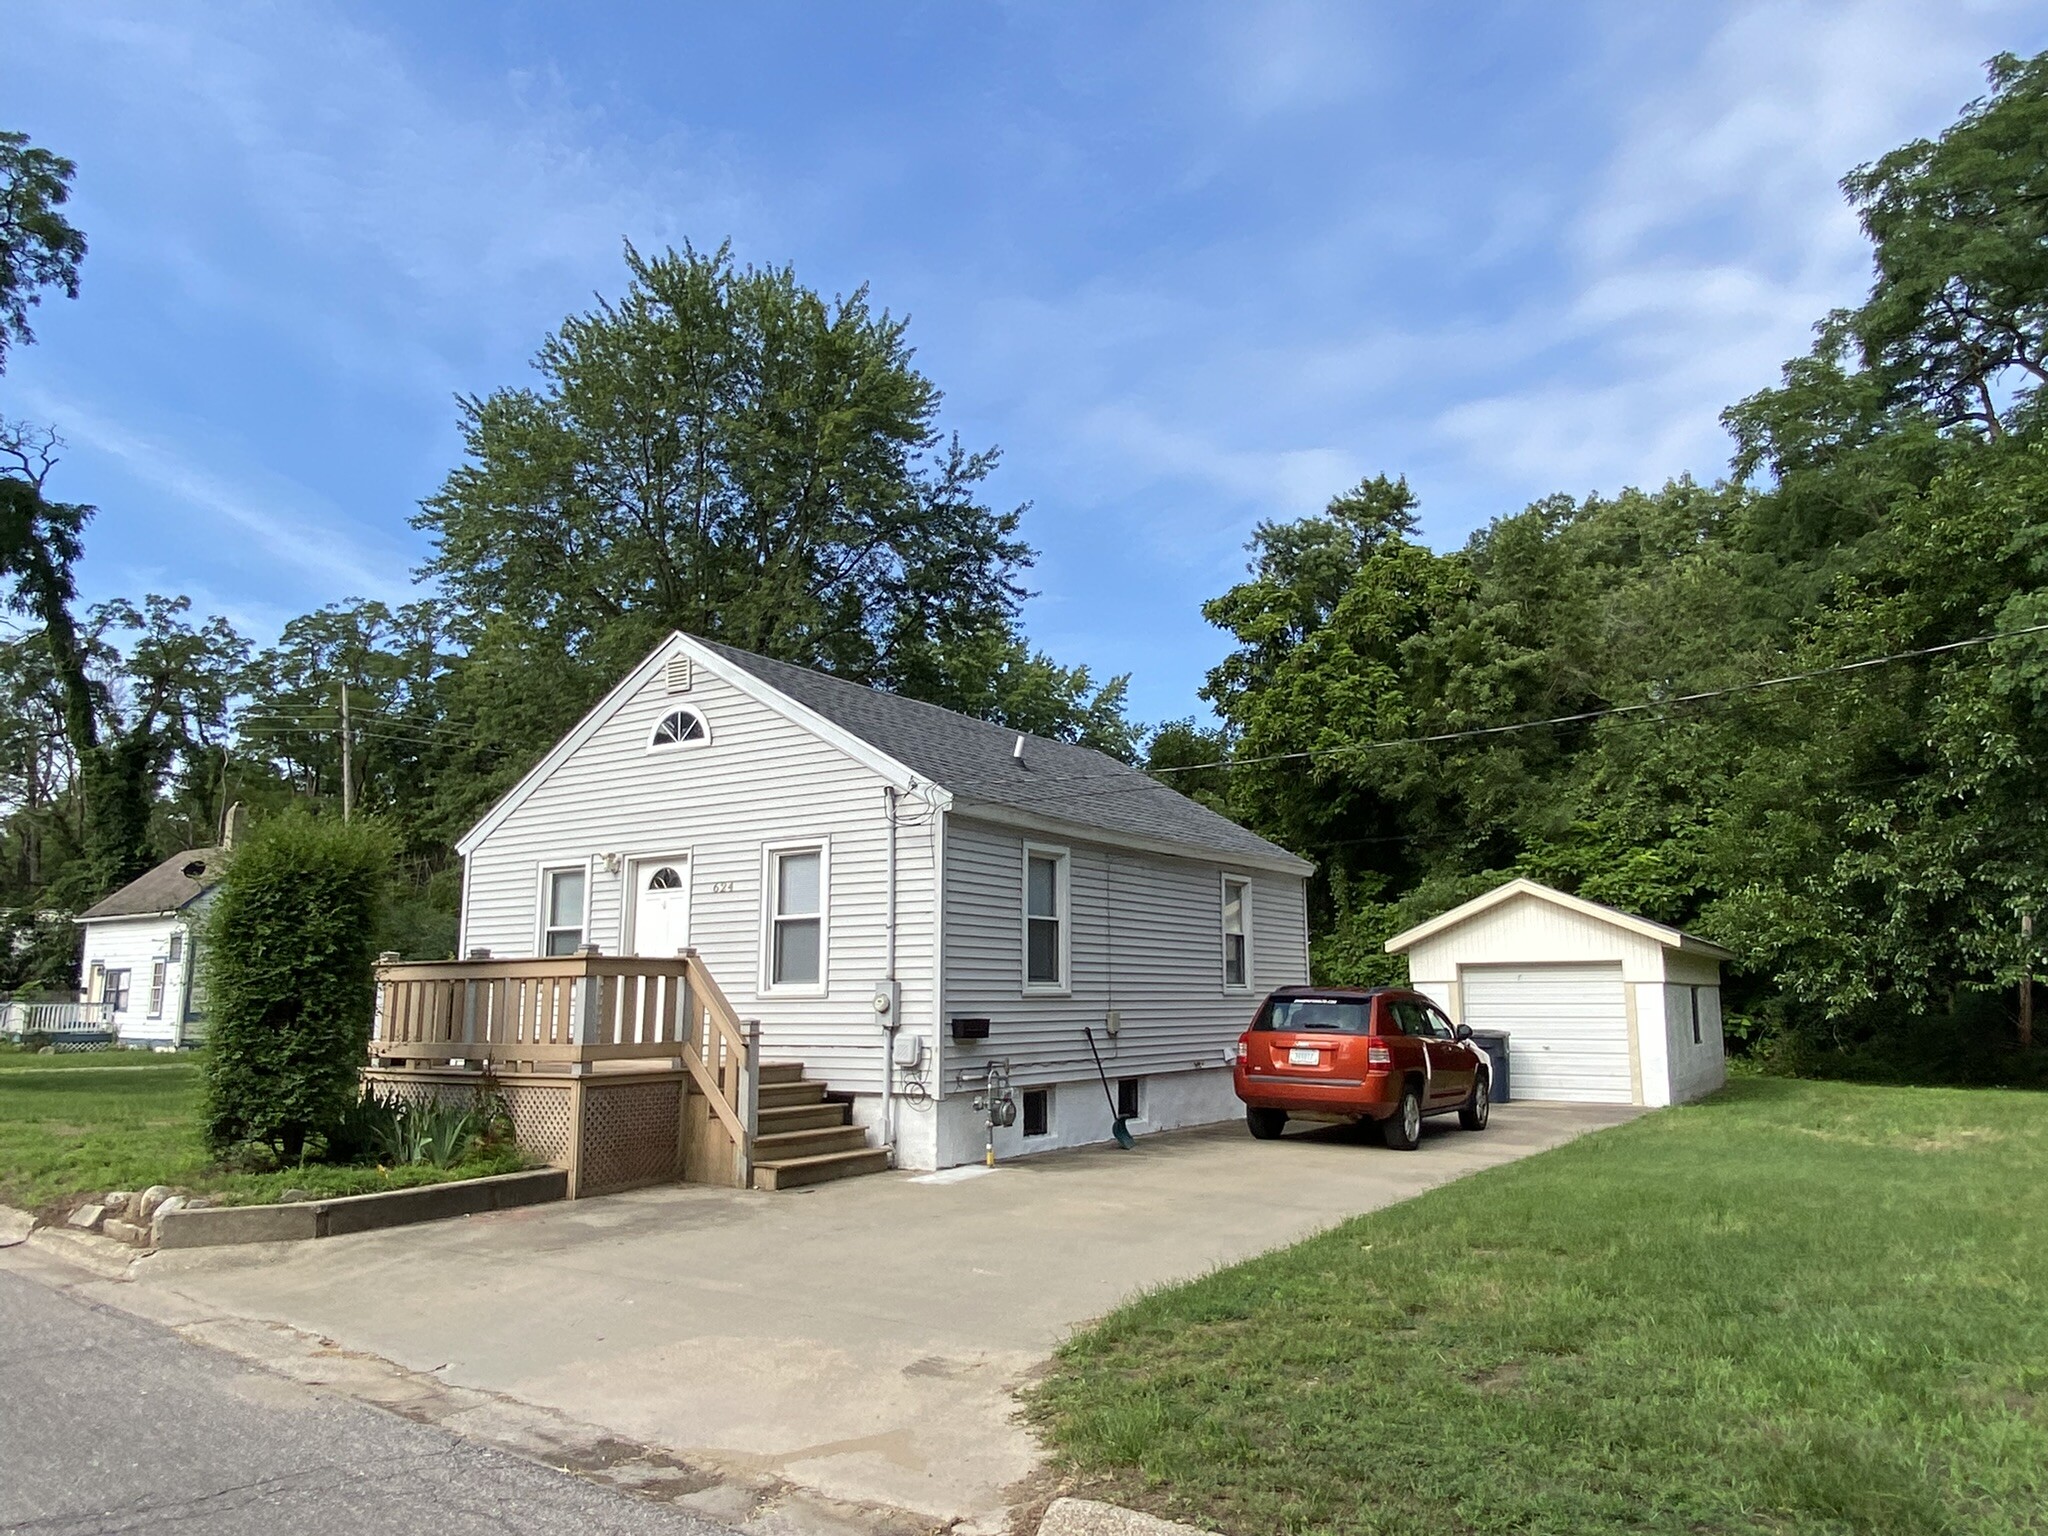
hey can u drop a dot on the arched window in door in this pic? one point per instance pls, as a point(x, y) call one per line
point(665, 879)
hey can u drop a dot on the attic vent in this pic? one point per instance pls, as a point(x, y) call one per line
point(194, 870)
point(678, 674)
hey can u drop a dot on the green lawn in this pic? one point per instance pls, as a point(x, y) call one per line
point(87, 1122)
point(1799, 1307)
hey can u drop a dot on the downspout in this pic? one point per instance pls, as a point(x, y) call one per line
point(890, 1022)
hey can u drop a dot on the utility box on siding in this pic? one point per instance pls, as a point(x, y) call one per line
point(1602, 1007)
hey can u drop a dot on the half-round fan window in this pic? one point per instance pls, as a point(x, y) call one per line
point(665, 879)
point(680, 727)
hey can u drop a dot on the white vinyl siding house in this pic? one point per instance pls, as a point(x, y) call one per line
point(1045, 892)
point(1145, 934)
point(141, 952)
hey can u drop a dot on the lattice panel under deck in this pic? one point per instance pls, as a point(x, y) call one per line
point(630, 1134)
point(540, 1120)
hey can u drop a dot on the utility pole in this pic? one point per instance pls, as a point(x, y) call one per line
point(2027, 982)
point(347, 769)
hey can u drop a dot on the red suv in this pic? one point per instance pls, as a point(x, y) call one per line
point(1382, 1054)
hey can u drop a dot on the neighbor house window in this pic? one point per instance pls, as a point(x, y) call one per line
point(177, 948)
point(796, 917)
point(114, 990)
point(1237, 897)
point(679, 727)
point(562, 898)
point(156, 988)
point(1045, 918)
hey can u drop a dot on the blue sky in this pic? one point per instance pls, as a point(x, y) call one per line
point(1190, 265)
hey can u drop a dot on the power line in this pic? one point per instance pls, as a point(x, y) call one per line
point(1126, 786)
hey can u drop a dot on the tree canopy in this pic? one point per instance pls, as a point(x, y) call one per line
point(1869, 841)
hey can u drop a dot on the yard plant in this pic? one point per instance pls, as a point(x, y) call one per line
point(79, 1125)
point(290, 950)
point(1797, 1307)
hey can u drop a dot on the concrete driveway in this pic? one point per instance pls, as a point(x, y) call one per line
point(861, 1340)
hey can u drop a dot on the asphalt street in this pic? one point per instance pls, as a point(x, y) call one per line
point(109, 1424)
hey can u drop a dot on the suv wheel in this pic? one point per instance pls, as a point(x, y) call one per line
point(1266, 1124)
point(1472, 1114)
point(1403, 1129)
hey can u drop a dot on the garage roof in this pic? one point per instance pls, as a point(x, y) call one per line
point(1670, 938)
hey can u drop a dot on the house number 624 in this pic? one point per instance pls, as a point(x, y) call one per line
point(720, 887)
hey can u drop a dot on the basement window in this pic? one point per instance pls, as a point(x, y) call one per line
point(1130, 1098)
point(1037, 1111)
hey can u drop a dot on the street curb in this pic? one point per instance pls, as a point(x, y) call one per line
point(1092, 1517)
point(219, 1225)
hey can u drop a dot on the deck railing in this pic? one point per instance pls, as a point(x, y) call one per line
point(59, 1021)
point(577, 1016)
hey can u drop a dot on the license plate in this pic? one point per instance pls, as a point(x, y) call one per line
point(1303, 1056)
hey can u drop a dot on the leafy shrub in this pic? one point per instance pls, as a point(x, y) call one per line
point(288, 953)
point(397, 1133)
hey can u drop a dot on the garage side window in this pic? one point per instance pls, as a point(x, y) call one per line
point(562, 892)
point(1237, 899)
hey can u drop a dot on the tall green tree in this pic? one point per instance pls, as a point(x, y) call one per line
point(723, 451)
point(39, 247)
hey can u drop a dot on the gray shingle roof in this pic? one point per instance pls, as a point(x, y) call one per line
point(972, 759)
point(167, 888)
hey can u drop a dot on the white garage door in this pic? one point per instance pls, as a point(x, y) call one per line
point(1568, 1026)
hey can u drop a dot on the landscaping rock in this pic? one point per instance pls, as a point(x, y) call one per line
point(86, 1217)
point(124, 1231)
point(164, 1208)
point(147, 1202)
point(117, 1202)
point(1091, 1517)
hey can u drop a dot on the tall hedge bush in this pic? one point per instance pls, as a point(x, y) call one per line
point(288, 952)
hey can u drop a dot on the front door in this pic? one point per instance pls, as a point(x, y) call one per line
point(661, 906)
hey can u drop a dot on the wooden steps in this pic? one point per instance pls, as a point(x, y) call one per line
point(804, 1137)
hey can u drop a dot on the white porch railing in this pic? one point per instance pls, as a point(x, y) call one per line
point(68, 1026)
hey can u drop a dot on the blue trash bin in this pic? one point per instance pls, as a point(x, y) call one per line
point(1495, 1043)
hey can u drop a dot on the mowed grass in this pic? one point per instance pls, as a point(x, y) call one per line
point(1798, 1307)
point(88, 1122)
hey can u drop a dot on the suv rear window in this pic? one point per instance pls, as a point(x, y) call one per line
point(1341, 1015)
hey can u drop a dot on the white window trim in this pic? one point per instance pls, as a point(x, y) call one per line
point(679, 746)
point(159, 984)
point(1064, 987)
point(769, 987)
point(629, 891)
point(1225, 879)
point(540, 901)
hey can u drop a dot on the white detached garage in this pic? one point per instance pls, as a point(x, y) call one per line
point(1600, 1007)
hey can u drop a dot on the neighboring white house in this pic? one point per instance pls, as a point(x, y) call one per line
point(141, 951)
point(904, 896)
point(1600, 1007)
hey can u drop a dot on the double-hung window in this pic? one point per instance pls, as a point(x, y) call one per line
point(1045, 919)
point(1237, 901)
point(116, 991)
point(562, 893)
point(157, 973)
point(796, 917)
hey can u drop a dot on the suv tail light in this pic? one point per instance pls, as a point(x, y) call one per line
point(1244, 1047)
point(1377, 1057)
